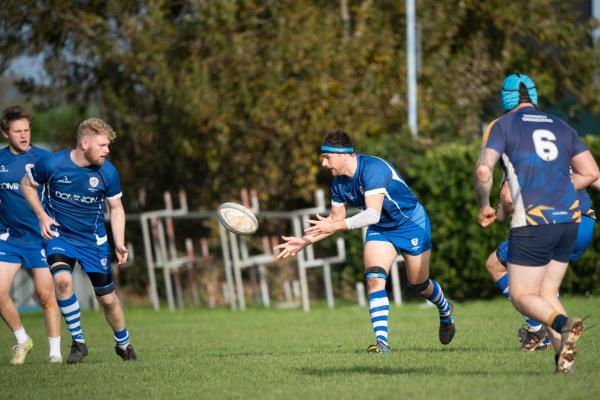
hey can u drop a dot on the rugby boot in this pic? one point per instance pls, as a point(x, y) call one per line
point(545, 344)
point(570, 334)
point(531, 339)
point(447, 326)
point(128, 354)
point(379, 347)
point(19, 352)
point(78, 352)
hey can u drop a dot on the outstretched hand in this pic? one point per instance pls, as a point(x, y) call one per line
point(321, 225)
point(291, 247)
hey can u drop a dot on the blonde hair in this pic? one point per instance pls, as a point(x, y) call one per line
point(95, 126)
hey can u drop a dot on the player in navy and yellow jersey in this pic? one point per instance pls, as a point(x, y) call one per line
point(537, 151)
point(397, 224)
point(78, 181)
point(533, 335)
point(20, 240)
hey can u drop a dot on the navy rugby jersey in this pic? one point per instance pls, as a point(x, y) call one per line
point(536, 149)
point(18, 223)
point(374, 175)
point(585, 203)
point(76, 196)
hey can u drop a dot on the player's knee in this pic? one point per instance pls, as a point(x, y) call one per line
point(109, 300)
point(46, 298)
point(419, 287)
point(63, 283)
point(376, 278)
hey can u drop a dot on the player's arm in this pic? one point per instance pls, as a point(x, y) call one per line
point(596, 185)
point(30, 193)
point(483, 179)
point(117, 224)
point(294, 245)
point(585, 170)
point(369, 216)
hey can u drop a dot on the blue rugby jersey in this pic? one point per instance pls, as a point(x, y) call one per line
point(18, 223)
point(374, 175)
point(536, 149)
point(76, 196)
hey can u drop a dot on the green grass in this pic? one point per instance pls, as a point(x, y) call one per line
point(283, 354)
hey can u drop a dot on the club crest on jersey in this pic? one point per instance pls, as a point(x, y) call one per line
point(94, 181)
point(103, 262)
point(64, 179)
point(362, 190)
point(3, 168)
point(29, 167)
point(43, 253)
point(415, 241)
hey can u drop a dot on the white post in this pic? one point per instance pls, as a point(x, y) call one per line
point(360, 294)
point(264, 287)
point(328, 287)
point(396, 282)
point(230, 298)
point(411, 67)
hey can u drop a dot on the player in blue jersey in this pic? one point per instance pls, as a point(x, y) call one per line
point(78, 181)
point(537, 151)
point(20, 240)
point(533, 335)
point(397, 224)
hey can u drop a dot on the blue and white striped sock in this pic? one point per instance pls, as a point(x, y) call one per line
point(502, 284)
point(122, 338)
point(437, 297)
point(70, 311)
point(379, 308)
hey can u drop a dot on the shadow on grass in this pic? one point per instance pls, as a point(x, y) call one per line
point(445, 349)
point(395, 370)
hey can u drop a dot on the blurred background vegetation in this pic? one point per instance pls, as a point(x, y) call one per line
point(213, 96)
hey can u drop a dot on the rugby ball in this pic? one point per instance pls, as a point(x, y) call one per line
point(237, 219)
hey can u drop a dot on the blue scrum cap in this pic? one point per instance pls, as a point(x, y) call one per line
point(510, 91)
point(333, 149)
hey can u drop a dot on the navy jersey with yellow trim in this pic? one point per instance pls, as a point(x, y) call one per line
point(536, 149)
point(585, 203)
point(375, 175)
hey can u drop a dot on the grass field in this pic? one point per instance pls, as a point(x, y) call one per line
point(283, 354)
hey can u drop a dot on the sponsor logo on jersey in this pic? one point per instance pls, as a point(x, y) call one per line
point(94, 181)
point(3, 168)
point(64, 179)
point(10, 186)
point(76, 197)
point(58, 249)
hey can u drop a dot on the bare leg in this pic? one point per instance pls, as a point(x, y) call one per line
point(113, 312)
point(44, 288)
point(8, 310)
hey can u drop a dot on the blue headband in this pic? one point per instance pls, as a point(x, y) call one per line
point(330, 149)
point(510, 91)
